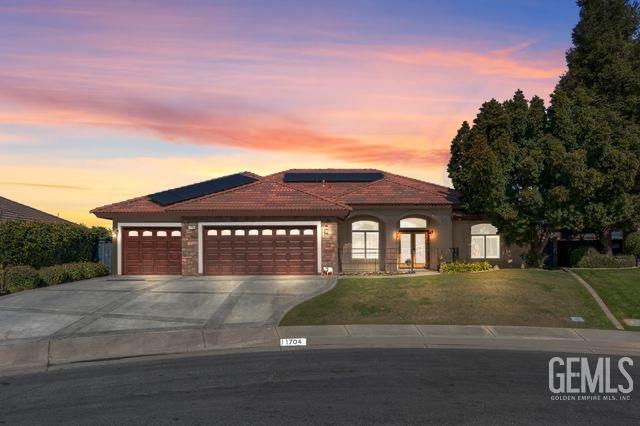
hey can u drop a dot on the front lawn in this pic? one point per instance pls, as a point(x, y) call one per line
point(505, 297)
point(619, 288)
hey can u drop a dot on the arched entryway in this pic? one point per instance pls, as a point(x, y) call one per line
point(413, 243)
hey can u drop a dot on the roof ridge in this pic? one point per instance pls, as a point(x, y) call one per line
point(12, 204)
point(212, 195)
point(336, 202)
point(249, 174)
point(148, 196)
point(95, 209)
point(366, 185)
point(417, 180)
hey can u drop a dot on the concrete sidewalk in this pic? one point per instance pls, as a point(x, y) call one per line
point(37, 356)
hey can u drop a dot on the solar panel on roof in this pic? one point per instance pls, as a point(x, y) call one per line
point(332, 176)
point(200, 189)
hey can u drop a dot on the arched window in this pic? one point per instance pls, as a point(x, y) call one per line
point(212, 232)
point(413, 223)
point(365, 237)
point(147, 234)
point(161, 234)
point(133, 233)
point(176, 233)
point(485, 242)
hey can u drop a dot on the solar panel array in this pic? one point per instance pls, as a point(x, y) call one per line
point(200, 189)
point(300, 177)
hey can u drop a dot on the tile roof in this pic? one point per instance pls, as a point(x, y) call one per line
point(271, 196)
point(261, 196)
point(13, 210)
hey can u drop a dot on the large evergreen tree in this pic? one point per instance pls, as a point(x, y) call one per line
point(497, 167)
point(575, 166)
point(595, 116)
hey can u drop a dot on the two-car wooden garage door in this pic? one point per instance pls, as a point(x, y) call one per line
point(262, 250)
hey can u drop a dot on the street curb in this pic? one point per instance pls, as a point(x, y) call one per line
point(40, 356)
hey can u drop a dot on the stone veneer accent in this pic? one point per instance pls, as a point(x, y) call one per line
point(190, 248)
point(329, 245)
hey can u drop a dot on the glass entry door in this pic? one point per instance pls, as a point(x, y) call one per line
point(414, 250)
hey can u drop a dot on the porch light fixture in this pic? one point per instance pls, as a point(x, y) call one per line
point(325, 230)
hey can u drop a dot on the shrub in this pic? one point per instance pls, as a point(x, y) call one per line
point(632, 245)
point(455, 267)
point(576, 254)
point(593, 259)
point(41, 244)
point(54, 275)
point(68, 272)
point(18, 278)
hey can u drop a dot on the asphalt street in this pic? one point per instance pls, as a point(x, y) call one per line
point(310, 386)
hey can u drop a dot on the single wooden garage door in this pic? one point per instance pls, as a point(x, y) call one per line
point(260, 250)
point(152, 251)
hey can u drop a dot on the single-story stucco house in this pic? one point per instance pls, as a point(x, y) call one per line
point(299, 222)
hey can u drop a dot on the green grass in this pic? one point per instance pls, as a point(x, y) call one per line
point(619, 288)
point(505, 297)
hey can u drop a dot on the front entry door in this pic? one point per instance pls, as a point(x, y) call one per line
point(414, 250)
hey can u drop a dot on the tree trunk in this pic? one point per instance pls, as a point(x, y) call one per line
point(605, 240)
point(536, 249)
point(3, 281)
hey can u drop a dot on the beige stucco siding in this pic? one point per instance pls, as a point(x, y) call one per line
point(510, 256)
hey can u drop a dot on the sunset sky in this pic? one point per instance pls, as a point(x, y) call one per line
point(106, 100)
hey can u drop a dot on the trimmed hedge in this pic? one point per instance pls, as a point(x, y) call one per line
point(59, 274)
point(593, 259)
point(25, 277)
point(41, 244)
point(20, 278)
point(455, 267)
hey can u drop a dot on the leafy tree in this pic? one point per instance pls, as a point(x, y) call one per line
point(497, 167)
point(595, 116)
point(575, 166)
point(632, 245)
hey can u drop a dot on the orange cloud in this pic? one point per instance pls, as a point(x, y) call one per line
point(496, 62)
point(248, 129)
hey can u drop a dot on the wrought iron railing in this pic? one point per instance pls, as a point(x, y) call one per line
point(393, 259)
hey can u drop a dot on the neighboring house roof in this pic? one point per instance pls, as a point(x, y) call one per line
point(271, 196)
point(12, 210)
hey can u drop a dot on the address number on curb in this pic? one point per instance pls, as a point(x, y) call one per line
point(294, 341)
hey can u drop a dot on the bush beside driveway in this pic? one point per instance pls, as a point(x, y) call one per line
point(505, 297)
point(619, 288)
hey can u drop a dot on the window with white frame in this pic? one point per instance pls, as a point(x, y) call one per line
point(485, 242)
point(365, 237)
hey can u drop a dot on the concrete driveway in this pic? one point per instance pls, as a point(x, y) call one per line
point(124, 304)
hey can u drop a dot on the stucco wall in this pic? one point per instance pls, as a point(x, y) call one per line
point(438, 220)
point(510, 256)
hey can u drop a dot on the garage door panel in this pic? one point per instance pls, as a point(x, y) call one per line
point(152, 251)
point(260, 250)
